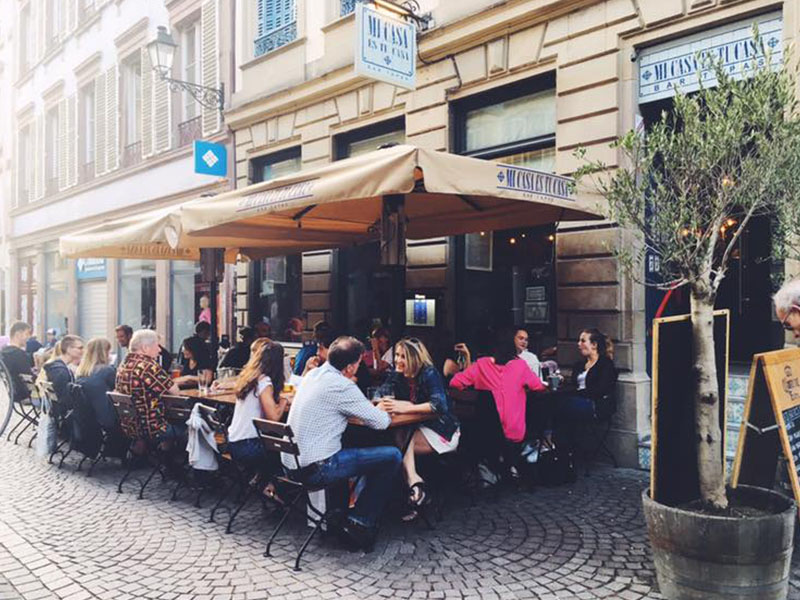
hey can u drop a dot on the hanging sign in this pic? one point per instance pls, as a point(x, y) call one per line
point(210, 158)
point(771, 423)
point(675, 64)
point(386, 47)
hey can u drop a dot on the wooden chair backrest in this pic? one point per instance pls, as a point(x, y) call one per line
point(276, 437)
point(123, 405)
point(176, 408)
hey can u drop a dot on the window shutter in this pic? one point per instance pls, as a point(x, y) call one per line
point(262, 16)
point(162, 116)
point(112, 119)
point(147, 104)
point(72, 15)
point(61, 144)
point(72, 140)
point(100, 124)
point(39, 14)
point(210, 61)
point(38, 159)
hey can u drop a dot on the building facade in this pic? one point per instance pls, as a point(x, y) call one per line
point(6, 155)
point(525, 82)
point(97, 136)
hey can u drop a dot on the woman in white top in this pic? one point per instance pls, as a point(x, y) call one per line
point(258, 396)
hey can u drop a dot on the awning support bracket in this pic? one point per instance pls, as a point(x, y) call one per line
point(470, 203)
point(302, 213)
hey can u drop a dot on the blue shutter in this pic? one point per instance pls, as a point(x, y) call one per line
point(276, 24)
point(262, 9)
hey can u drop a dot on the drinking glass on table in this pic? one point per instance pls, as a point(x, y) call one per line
point(203, 381)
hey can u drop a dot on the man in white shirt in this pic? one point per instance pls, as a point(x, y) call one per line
point(521, 344)
point(318, 417)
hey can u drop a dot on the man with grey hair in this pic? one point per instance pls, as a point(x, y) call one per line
point(787, 306)
point(141, 376)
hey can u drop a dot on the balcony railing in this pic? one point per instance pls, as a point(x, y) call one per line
point(189, 131)
point(276, 38)
point(348, 6)
point(131, 155)
point(86, 172)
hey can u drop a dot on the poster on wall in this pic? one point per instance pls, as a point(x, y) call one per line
point(478, 251)
point(421, 312)
point(537, 312)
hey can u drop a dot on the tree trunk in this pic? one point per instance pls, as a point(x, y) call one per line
point(710, 461)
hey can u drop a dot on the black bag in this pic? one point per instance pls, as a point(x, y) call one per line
point(556, 467)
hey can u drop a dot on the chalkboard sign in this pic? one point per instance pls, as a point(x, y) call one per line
point(674, 477)
point(771, 421)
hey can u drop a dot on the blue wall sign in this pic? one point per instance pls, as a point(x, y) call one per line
point(210, 159)
point(672, 65)
point(90, 268)
point(386, 48)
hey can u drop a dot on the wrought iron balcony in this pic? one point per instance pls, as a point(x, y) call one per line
point(131, 155)
point(276, 38)
point(348, 6)
point(189, 131)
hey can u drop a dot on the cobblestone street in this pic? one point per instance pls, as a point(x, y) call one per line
point(63, 535)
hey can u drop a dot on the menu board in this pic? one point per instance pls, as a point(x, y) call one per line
point(771, 421)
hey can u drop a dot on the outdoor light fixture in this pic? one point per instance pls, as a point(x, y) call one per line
point(405, 8)
point(162, 53)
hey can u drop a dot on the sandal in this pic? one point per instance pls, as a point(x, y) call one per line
point(412, 514)
point(421, 494)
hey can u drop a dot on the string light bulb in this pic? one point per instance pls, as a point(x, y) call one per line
point(512, 241)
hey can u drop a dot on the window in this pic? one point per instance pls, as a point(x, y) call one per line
point(86, 132)
point(185, 278)
point(190, 49)
point(51, 151)
point(514, 124)
point(277, 280)
point(277, 24)
point(137, 293)
point(368, 139)
point(53, 23)
point(56, 296)
point(25, 166)
point(132, 98)
point(25, 40)
point(275, 165)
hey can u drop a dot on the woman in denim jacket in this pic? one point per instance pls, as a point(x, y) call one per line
point(416, 387)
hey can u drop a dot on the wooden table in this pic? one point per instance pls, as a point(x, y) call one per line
point(215, 396)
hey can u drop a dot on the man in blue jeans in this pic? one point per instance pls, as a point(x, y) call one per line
point(318, 417)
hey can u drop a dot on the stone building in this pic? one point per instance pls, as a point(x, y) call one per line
point(97, 136)
point(525, 82)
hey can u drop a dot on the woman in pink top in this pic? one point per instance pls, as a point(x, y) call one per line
point(507, 377)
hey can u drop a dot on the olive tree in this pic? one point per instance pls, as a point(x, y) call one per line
point(687, 189)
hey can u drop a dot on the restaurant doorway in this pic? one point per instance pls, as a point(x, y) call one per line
point(363, 290)
point(506, 279)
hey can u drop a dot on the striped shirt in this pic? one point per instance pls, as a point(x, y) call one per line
point(320, 409)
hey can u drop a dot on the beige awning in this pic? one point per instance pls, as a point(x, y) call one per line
point(157, 234)
point(445, 194)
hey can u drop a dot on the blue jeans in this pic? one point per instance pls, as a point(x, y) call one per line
point(379, 465)
point(575, 408)
point(174, 432)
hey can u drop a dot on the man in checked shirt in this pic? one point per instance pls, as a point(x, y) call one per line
point(327, 397)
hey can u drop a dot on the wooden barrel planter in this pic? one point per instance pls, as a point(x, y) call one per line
point(704, 557)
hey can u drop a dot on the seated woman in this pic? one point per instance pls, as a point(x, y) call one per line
point(258, 396)
point(507, 376)
point(97, 377)
point(593, 377)
point(415, 387)
point(195, 361)
point(60, 367)
point(378, 359)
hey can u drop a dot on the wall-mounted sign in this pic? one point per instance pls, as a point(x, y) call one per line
point(90, 268)
point(675, 64)
point(421, 312)
point(386, 48)
point(210, 158)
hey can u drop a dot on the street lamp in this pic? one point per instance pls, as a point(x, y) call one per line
point(162, 53)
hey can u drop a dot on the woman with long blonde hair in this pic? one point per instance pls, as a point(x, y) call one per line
point(258, 396)
point(416, 387)
point(96, 376)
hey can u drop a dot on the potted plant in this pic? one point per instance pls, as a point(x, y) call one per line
point(687, 190)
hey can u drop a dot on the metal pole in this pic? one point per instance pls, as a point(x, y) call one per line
point(393, 258)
